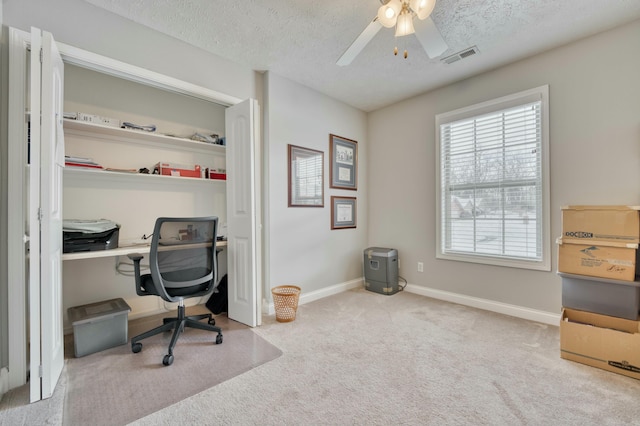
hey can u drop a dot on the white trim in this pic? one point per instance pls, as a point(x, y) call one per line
point(265, 205)
point(498, 261)
point(544, 317)
point(322, 293)
point(258, 198)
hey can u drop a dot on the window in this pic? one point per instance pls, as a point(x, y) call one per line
point(492, 189)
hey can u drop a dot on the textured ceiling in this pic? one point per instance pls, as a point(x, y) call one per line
point(302, 39)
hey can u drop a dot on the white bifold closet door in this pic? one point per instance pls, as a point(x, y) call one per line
point(243, 177)
point(46, 149)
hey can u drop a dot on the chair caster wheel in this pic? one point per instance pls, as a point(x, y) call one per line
point(167, 360)
point(218, 339)
point(136, 347)
point(212, 321)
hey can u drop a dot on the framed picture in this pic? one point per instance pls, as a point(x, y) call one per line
point(343, 212)
point(344, 162)
point(306, 177)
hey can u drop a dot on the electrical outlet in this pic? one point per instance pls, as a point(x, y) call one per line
point(420, 267)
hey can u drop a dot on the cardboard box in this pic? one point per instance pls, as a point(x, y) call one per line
point(605, 259)
point(173, 169)
point(609, 343)
point(218, 174)
point(603, 223)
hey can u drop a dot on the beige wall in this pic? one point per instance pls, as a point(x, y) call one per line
point(303, 250)
point(594, 159)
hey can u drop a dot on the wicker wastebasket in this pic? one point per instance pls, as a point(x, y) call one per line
point(285, 301)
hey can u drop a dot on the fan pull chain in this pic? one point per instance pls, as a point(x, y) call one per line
point(395, 49)
point(406, 52)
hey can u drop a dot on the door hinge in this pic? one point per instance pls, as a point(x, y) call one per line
point(39, 214)
point(40, 371)
point(41, 55)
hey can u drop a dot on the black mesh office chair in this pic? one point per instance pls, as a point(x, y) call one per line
point(183, 264)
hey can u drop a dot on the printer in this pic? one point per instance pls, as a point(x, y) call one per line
point(89, 235)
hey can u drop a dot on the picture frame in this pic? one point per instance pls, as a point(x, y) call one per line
point(343, 212)
point(344, 162)
point(305, 177)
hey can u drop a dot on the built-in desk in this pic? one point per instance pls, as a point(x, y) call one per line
point(120, 251)
point(121, 284)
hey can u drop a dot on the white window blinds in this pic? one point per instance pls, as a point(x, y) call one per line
point(308, 182)
point(491, 195)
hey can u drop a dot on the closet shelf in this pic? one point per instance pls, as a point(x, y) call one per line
point(83, 174)
point(92, 130)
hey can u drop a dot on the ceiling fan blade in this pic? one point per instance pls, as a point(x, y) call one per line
point(430, 38)
point(363, 39)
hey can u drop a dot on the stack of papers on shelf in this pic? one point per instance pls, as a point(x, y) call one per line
point(112, 169)
point(82, 162)
point(134, 126)
point(212, 139)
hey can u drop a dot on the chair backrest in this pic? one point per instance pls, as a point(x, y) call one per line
point(182, 260)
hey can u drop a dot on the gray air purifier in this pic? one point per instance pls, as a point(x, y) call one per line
point(381, 270)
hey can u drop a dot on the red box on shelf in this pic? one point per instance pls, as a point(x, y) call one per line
point(168, 169)
point(217, 174)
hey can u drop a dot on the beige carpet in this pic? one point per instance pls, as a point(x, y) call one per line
point(361, 358)
point(116, 386)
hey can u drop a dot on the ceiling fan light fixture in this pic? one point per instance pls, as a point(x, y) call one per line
point(388, 13)
point(400, 13)
point(422, 8)
point(404, 25)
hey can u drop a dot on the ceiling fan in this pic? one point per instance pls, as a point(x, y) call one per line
point(400, 13)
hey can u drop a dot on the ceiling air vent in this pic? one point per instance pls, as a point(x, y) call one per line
point(460, 55)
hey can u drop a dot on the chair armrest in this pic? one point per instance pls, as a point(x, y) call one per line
point(136, 257)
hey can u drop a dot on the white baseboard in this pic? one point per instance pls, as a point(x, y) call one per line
point(544, 317)
point(488, 305)
point(320, 294)
point(4, 382)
